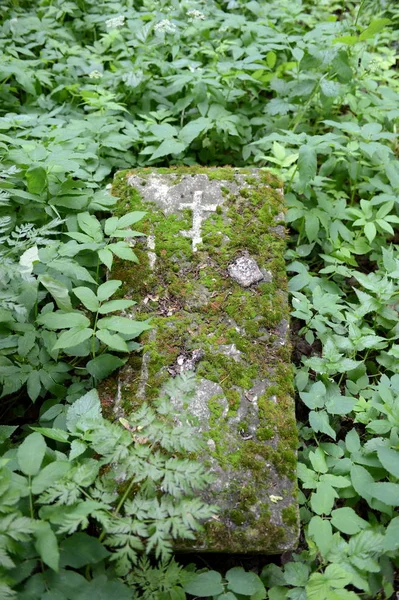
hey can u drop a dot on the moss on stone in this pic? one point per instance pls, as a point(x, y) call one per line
point(290, 515)
point(247, 318)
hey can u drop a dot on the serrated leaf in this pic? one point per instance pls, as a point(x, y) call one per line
point(87, 407)
point(77, 448)
point(296, 573)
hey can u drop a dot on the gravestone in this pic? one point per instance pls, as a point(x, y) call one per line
point(211, 276)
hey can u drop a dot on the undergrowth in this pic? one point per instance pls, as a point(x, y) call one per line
point(308, 89)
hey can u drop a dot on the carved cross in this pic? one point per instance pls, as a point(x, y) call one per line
point(198, 215)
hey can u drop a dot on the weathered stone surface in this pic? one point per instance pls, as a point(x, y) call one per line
point(212, 277)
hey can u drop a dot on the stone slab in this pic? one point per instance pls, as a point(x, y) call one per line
point(212, 278)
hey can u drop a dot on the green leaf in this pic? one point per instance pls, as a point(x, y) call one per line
point(30, 453)
point(242, 582)
point(122, 250)
point(87, 407)
point(106, 257)
point(385, 492)
point(391, 539)
point(375, 26)
point(361, 481)
point(59, 435)
point(87, 298)
point(107, 289)
point(91, 226)
point(321, 532)
point(271, 58)
point(114, 305)
point(6, 432)
point(348, 40)
point(319, 421)
point(130, 219)
point(73, 337)
point(124, 325)
point(47, 545)
point(50, 475)
point(36, 179)
point(110, 225)
point(389, 459)
point(205, 584)
point(352, 441)
point(337, 575)
point(77, 448)
point(58, 290)
point(307, 163)
point(278, 593)
point(114, 341)
point(33, 385)
point(167, 147)
point(193, 129)
point(318, 460)
point(379, 426)
point(346, 520)
point(62, 320)
point(329, 88)
point(80, 550)
point(322, 500)
point(296, 573)
point(340, 405)
point(102, 366)
point(370, 231)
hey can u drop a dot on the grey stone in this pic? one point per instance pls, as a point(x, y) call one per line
point(245, 271)
point(205, 298)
